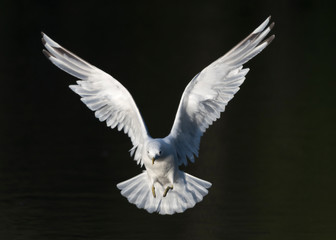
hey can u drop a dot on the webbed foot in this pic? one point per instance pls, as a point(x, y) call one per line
point(167, 189)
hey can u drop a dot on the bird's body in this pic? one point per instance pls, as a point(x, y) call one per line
point(165, 168)
point(163, 187)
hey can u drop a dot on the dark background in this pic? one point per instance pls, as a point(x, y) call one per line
point(271, 156)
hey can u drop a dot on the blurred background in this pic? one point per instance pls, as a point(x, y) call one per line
point(271, 156)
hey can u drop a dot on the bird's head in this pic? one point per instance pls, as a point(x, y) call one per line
point(154, 150)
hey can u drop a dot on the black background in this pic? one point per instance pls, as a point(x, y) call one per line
point(271, 156)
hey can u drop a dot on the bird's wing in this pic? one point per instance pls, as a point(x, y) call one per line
point(103, 94)
point(208, 93)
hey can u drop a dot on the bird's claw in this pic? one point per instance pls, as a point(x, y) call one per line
point(167, 189)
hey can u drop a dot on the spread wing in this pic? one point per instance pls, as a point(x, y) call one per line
point(103, 94)
point(208, 93)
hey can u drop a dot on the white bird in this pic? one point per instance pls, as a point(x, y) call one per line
point(162, 187)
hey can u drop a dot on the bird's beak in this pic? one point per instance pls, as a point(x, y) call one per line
point(153, 159)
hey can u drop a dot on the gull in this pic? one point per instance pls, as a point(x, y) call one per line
point(163, 187)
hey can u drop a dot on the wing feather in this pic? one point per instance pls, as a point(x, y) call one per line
point(208, 93)
point(101, 93)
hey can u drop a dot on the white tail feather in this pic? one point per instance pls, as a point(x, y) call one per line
point(188, 190)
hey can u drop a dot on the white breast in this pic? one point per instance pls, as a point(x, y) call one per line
point(161, 166)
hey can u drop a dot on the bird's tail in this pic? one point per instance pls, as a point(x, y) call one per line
point(188, 190)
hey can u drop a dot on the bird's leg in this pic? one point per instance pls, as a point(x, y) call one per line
point(171, 181)
point(167, 189)
point(153, 191)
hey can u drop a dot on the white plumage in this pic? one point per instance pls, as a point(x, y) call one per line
point(162, 187)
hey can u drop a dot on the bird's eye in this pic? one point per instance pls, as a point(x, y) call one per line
point(160, 152)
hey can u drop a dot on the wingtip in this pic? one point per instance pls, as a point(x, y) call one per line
point(43, 41)
point(48, 40)
point(46, 53)
point(270, 39)
point(262, 26)
point(43, 38)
